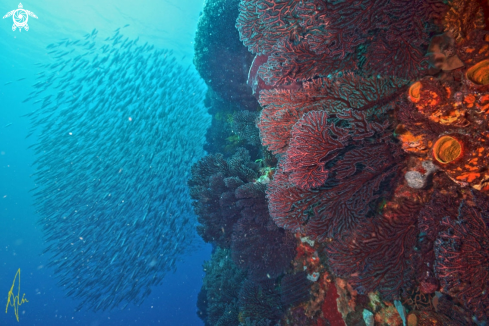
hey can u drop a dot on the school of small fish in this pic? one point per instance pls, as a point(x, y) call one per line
point(117, 126)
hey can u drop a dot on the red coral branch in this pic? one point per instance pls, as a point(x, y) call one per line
point(262, 23)
point(289, 62)
point(359, 172)
point(429, 224)
point(314, 38)
point(392, 55)
point(314, 142)
point(379, 254)
point(462, 258)
point(283, 108)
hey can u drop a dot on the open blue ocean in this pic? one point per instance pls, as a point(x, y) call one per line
point(26, 59)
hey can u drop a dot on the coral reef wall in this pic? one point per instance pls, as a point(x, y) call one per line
point(357, 193)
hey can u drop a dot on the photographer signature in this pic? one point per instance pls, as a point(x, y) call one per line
point(13, 300)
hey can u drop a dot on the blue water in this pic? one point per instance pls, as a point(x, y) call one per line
point(165, 24)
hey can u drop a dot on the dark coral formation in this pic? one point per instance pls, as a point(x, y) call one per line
point(220, 58)
point(264, 251)
point(223, 63)
point(244, 125)
point(294, 289)
point(218, 299)
point(213, 185)
point(231, 206)
point(260, 301)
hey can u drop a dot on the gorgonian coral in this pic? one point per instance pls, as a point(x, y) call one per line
point(289, 63)
point(329, 74)
point(462, 256)
point(456, 314)
point(314, 142)
point(441, 205)
point(396, 48)
point(283, 108)
point(262, 23)
point(357, 177)
point(379, 254)
point(431, 215)
point(306, 39)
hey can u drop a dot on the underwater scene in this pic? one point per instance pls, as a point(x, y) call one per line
point(244, 162)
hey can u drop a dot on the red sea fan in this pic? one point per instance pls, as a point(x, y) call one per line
point(262, 23)
point(290, 62)
point(251, 28)
point(256, 82)
point(429, 219)
point(458, 316)
point(314, 142)
point(392, 34)
point(288, 204)
point(462, 258)
point(362, 177)
point(393, 55)
point(358, 177)
point(272, 26)
point(379, 254)
point(362, 128)
point(283, 108)
point(337, 28)
point(399, 47)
